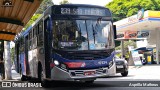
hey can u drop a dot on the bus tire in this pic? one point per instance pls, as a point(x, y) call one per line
point(23, 77)
point(41, 76)
point(39, 72)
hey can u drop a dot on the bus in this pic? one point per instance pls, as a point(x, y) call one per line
point(71, 42)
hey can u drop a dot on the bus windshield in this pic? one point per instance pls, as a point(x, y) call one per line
point(82, 35)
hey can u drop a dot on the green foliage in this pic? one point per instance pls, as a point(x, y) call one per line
point(126, 44)
point(12, 54)
point(117, 43)
point(64, 2)
point(32, 20)
point(125, 8)
point(44, 5)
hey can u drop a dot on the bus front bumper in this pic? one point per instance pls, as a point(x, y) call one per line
point(73, 75)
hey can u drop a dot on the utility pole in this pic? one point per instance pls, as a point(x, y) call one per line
point(7, 59)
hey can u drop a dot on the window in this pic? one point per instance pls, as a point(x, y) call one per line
point(37, 29)
point(34, 32)
point(40, 27)
point(26, 42)
point(30, 35)
point(30, 40)
point(40, 34)
point(34, 40)
point(21, 44)
point(82, 34)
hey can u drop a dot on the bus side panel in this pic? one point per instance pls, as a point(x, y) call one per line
point(30, 62)
point(40, 57)
point(23, 66)
point(35, 62)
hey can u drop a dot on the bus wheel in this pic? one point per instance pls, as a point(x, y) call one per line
point(40, 73)
point(23, 77)
point(41, 76)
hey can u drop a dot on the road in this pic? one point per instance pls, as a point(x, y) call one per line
point(97, 85)
point(150, 72)
point(138, 75)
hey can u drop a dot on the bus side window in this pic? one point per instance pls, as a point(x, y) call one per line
point(21, 44)
point(34, 40)
point(30, 40)
point(26, 42)
point(40, 34)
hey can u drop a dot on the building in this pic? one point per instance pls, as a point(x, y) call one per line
point(145, 25)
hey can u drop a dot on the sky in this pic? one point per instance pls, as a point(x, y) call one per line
point(93, 2)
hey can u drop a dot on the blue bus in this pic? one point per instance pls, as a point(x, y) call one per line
point(70, 42)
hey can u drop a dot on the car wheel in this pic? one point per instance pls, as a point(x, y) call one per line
point(125, 73)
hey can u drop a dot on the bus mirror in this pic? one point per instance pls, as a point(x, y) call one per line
point(115, 32)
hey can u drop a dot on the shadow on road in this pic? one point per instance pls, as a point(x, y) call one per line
point(119, 76)
point(74, 85)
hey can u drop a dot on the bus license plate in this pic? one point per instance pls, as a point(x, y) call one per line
point(120, 66)
point(89, 73)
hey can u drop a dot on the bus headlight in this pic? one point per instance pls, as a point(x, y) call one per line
point(60, 65)
point(56, 62)
point(63, 66)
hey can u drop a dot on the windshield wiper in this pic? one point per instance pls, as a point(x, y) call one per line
point(79, 27)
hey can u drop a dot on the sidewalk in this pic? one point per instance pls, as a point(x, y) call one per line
point(154, 65)
point(15, 76)
point(144, 72)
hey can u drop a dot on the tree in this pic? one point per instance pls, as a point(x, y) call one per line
point(64, 2)
point(12, 54)
point(126, 44)
point(32, 20)
point(125, 8)
point(44, 5)
point(7, 58)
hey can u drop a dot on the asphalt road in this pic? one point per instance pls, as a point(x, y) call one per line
point(98, 85)
point(138, 79)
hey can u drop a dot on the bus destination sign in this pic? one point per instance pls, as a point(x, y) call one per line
point(84, 11)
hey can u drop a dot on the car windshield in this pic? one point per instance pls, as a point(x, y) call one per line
point(82, 34)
